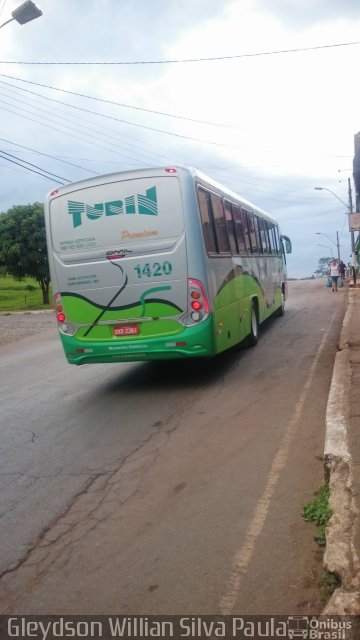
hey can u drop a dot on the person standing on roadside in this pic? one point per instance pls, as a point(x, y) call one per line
point(342, 269)
point(334, 274)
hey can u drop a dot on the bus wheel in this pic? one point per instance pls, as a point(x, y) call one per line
point(254, 329)
point(281, 310)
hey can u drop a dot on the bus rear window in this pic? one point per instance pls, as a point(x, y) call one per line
point(117, 212)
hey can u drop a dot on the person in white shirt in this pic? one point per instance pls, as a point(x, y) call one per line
point(334, 274)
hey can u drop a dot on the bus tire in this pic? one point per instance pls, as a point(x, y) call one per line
point(281, 310)
point(253, 336)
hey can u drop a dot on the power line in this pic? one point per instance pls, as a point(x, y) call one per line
point(29, 168)
point(54, 175)
point(164, 159)
point(118, 104)
point(62, 131)
point(67, 130)
point(56, 129)
point(47, 155)
point(82, 125)
point(134, 146)
point(169, 133)
point(101, 114)
point(225, 173)
point(186, 60)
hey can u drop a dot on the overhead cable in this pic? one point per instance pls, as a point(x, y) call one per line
point(118, 104)
point(134, 146)
point(40, 173)
point(67, 130)
point(47, 155)
point(169, 133)
point(54, 175)
point(186, 60)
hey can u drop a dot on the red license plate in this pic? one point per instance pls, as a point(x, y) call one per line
point(126, 330)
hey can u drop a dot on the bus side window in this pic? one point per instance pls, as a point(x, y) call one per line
point(220, 225)
point(272, 246)
point(253, 235)
point(207, 224)
point(267, 235)
point(244, 216)
point(239, 231)
point(230, 225)
point(257, 233)
point(260, 235)
point(264, 235)
point(277, 239)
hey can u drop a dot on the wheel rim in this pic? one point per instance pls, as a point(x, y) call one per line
point(254, 326)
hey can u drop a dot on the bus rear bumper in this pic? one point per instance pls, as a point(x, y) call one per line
point(193, 342)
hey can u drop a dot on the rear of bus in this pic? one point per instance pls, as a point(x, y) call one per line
point(118, 265)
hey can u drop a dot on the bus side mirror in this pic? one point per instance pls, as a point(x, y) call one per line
point(287, 243)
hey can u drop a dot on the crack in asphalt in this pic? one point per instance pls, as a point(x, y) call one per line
point(51, 548)
point(21, 444)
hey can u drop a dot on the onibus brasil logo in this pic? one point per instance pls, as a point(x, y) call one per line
point(144, 205)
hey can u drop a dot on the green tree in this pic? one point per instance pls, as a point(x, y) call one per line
point(323, 267)
point(23, 245)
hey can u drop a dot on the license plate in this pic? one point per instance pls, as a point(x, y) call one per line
point(126, 330)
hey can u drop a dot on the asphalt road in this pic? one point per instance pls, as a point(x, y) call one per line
point(173, 488)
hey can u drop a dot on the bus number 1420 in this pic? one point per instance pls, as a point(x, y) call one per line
point(154, 270)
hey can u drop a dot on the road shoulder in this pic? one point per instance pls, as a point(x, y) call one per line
point(342, 463)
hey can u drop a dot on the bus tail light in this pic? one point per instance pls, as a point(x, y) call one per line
point(63, 324)
point(198, 304)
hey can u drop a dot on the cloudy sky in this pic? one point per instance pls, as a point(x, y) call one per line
point(261, 95)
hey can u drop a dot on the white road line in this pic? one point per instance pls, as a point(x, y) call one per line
point(243, 556)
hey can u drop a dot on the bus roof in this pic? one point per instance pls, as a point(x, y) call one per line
point(231, 194)
point(159, 170)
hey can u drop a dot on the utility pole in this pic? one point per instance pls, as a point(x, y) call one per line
point(353, 255)
point(356, 170)
point(338, 245)
point(350, 212)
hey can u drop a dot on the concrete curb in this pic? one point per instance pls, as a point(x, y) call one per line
point(26, 313)
point(340, 555)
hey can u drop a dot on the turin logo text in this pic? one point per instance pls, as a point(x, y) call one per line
point(144, 205)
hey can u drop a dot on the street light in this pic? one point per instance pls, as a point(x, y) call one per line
point(349, 207)
point(326, 247)
point(319, 233)
point(334, 194)
point(25, 13)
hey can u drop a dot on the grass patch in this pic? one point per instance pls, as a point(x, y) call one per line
point(20, 296)
point(328, 583)
point(318, 511)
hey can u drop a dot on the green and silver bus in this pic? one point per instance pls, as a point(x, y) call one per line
point(160, 263)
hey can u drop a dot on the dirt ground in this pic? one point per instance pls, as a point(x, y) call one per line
point(17, 325)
